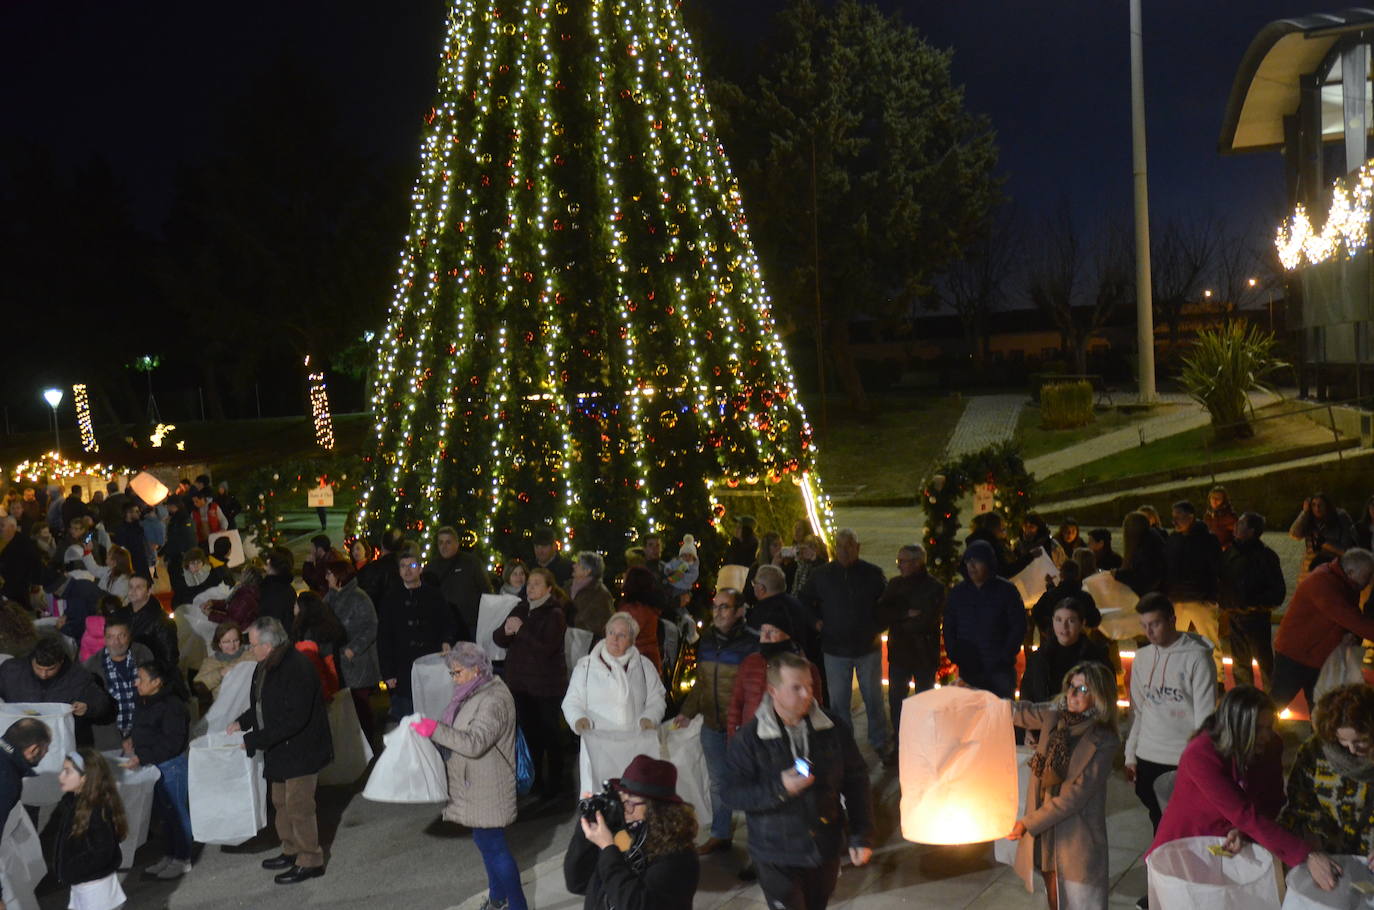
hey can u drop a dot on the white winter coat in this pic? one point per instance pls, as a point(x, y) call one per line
point(614, 693)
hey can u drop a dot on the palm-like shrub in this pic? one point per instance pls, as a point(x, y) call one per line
point(1224, 366)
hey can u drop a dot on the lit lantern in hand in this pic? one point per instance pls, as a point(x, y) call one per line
point(958, 767)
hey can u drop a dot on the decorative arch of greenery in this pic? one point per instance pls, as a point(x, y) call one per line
point(999, 466)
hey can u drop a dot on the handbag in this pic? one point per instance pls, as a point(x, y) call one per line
point(524, 765)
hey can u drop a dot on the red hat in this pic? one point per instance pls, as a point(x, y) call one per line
point(651, 778)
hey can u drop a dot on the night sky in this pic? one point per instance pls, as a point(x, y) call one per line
point(145, 84)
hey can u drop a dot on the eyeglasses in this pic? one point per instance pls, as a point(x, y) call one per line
point(1081, 690)
point(630, 802)
point(410, 565)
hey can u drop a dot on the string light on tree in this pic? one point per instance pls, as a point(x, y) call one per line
point(83, 418)
point(580, 335)
point(319, 408)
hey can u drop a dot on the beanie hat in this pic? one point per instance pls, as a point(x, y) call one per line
point(981, 551)
point(689, 546)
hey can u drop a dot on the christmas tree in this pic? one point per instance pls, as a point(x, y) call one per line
point(580, 336)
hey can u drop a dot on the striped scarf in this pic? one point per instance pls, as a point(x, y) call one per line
point(122, 688)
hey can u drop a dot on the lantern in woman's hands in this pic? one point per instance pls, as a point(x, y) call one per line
point(958, 767)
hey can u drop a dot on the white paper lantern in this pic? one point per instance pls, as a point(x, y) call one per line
point(148, 488)
point(958, 767)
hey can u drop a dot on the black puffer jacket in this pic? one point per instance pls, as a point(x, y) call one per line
point(161, 728)
point(807, 829)
point(293, 735)
point(1193, 558)
point(608, 880)
point(93, 855)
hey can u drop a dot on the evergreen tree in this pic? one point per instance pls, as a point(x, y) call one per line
point(580, 335)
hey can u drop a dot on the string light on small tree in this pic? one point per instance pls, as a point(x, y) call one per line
point(319, 408)
point(83, 418)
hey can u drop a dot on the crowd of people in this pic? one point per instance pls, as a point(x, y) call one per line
point(772, 681)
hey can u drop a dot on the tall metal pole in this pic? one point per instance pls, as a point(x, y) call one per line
point(816, 269)
point(1144, 305)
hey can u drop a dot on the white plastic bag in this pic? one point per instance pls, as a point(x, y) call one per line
point(1303, 893)
point(577, 644)
point(192, 636)
point(232, 699)
point(352, 751)
point(491, 613)
point(1344, 666)
point(1030, 581)
point(682, 747)
point(431, 688)
point(409, 769)
point(235, 547)
point(1003, 850)
point(1110, 594)
point(228, 793)
point(42, 790)
point(21, 861)
point(136, 792)
point(958, 767)
point(607, 753)
point(1184, 875)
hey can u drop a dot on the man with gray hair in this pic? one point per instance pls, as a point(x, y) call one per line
point(287, 723)
point(844, 593)
point(1324, 611)
point(911, 608)
point(592, 603)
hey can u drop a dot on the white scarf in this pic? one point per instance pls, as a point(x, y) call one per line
point(619, 667)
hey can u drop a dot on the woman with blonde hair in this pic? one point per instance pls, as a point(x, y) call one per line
point(1230, 785)
point(1063, 832)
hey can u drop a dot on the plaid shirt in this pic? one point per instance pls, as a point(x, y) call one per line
point(120, 675)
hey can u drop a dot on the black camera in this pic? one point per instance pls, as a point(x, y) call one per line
point(607, 802)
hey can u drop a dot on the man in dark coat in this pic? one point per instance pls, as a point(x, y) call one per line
point(21, 565)
point(381, 576)
point(796, 820)
point(413, 622)
point(21, 748)
point(460, 576)
point(744, 545)
point(129, 535)
point(152, 628)
point(276, 596)
point(1252, 585)
point(911, 608)
point(181, 534)
point(544, 546)
point(1192, 558)
point(844, 593)
point(770, 592)
point(50, 676)
point(287, 723)
point(985, 623)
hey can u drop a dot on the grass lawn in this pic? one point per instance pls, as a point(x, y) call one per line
point(892, 452)
point(1283, 430)
point(1035, 441)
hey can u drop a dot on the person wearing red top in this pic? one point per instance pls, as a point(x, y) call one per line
point(639, 596)
point(1324, 608)
point(1230, 785)
point(751, 682)
point(1221, 517)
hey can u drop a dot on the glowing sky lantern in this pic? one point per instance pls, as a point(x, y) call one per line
point(148, 488)
point(958, 767)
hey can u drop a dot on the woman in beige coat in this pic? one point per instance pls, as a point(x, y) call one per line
point(476, 736)
point(1063, 832)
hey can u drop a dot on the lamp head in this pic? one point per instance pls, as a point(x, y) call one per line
point(53, 397)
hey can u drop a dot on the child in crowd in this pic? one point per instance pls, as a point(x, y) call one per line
point(93, 638)
point(90, 824)
point(681, 573)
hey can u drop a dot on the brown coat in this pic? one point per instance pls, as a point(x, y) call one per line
point(1078, 814)
point(481, 766)
point(592, 606)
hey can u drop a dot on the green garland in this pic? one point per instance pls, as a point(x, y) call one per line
point(270, 490)
point(999, 465)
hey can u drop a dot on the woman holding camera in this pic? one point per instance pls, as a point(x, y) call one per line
point(648, 861)
point(476, 736)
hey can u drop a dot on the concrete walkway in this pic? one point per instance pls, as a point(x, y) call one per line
point(987, 420)
point(1189, 416)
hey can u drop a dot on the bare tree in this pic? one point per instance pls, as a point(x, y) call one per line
point(975, 287)
point(1078, 285)
point(1181, 254)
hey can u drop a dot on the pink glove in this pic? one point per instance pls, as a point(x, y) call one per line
point(425, 727)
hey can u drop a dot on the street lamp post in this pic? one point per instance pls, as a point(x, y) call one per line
point(54, 397)
point(1144, 303)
